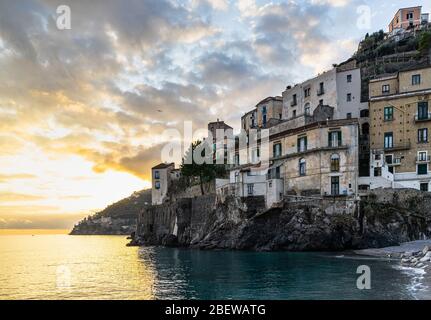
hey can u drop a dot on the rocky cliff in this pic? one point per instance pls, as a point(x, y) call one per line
point(384, 218)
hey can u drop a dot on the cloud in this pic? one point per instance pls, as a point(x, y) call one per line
point(11, 196)
point(9, 177)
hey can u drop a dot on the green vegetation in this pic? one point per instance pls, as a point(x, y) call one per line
point(206, 171)
point(127, 208)
point(425, 43)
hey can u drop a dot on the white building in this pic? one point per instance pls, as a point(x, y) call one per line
point(338, 88)
point(161, 176)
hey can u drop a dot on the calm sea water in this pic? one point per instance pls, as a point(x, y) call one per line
point(102, 267)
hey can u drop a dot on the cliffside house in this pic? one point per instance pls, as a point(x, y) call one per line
point(399, 134)
point(408, 18)
point(265, 114)
point(162, 175)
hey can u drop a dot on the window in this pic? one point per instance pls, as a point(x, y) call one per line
point(321, 102)
point(302, 144)
point(349, 78)
point(349, 97)
point(423, 110)
point(250, 189)
point(335, 186)
point(156, 175)
point(424, 187)
point(422, 156)
point(423, 135)
point(157, 185)
point(389, 159)
point(364, 113)
point(277, 150)
point(349, 115)
point(386, 88)
point(422, 169)
point(321, 89)
point(294, 113)
point(335, 163)
point(237, 159)
point(389, 140)
point(378, 172)
point(306, 92)
point(264, 109)
point(334, 139)
point(264, 119)
point(302, 167)
point(409, 15)
point(280, 116)
point(389, 113)
point(416, 79)
point(294, 100)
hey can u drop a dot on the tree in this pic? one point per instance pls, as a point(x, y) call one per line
point(206, 171)
point(425, 42)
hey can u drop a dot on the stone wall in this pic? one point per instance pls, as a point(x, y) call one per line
point(384, 218)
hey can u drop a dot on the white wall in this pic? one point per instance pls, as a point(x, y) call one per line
point(354, 88)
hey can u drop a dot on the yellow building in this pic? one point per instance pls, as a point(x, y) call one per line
point(399, 132)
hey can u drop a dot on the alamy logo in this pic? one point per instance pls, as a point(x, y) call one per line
point(64, 18)
point(364, 280)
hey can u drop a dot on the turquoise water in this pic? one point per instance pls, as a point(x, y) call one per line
point(102, 267)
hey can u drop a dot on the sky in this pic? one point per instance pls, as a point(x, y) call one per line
point(84, 111)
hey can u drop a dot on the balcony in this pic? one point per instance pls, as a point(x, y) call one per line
point(422, 159)
point(293, 103)
point(320, 92)
point(423, 117)
point(398, 147)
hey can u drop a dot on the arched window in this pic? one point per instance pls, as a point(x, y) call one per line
point(335, 163)
point(302, 167)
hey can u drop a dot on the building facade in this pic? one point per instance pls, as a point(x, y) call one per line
point(266, 113)
point(399, 133)
point(407, 18)
point(161, 176)
point(338, 88)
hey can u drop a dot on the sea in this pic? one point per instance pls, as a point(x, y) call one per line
point(60, 266)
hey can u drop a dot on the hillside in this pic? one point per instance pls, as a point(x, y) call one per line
point(117, 218)
point(379, 54)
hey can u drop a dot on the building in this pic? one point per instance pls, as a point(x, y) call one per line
point(407, 18)
point(161, 176)
point(337, 90)
point(220, 147)
point(399, 133)
point(265, 114)
point(320, 159)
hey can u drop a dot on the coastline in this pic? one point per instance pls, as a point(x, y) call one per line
point(421, 274)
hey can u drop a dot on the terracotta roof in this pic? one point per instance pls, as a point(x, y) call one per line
point(164, 165)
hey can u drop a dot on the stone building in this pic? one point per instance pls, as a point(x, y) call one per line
point(265, 114)
point(162, 175)
point(399, 133)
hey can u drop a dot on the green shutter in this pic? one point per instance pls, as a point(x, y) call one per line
point(339, 138)
point(298, 144)
point(329, 139)
point(305, 143)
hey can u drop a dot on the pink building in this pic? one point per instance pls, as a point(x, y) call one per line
point(406, 18)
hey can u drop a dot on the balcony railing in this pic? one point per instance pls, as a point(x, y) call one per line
point(423, 159)
point(396, 162)
point(293, 103)
point(423, 117)
point(398, 146)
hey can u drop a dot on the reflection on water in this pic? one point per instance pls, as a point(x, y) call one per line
point(72, 267)
point(102, 267)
